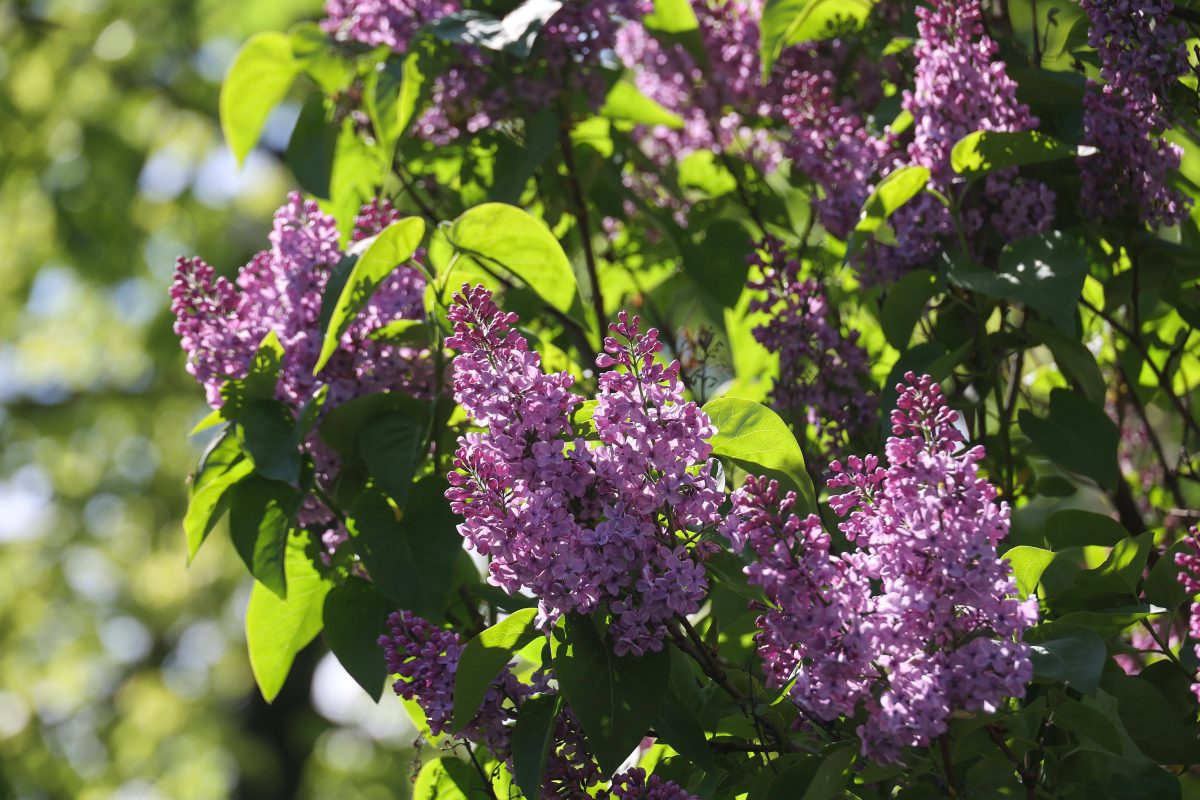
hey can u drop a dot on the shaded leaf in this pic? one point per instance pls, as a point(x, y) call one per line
point(1077, 435)
point(355, 616)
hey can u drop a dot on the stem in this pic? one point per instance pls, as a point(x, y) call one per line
point(1037, 46)
point(426, 210)
point(948, 764)
point(483, 776)
point(1165, 647)
point(581, 213)
point(1028, 780)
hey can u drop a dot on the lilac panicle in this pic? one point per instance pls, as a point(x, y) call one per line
point(581, 528)
point(425, 659)
point(1189, 578)
point(823, 373)
point(220, 324)
point(919, 618)
point(388, 23)
point(960, 87)
point(634, 785)
point(1142, 54)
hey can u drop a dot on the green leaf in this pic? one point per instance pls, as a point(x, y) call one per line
point(409, 332)
point(904, 305)
point(1152, 722)
point(260, 381)
point(626, 103)
point(678, 726)
point(1074, 527)
point(342, 429)
point(221, 467)
point(1075, 361)
point(830, 778)
point(521, 244)
point(1127, 561)
point(355, 616)
point(532, 738)
point(1077, 436)
point(261, 75)
point(448, 778)
point(412, 559)
point(1162, 584)
point(515, 34)
point(426, 58)
point(787, 22)
point(672, 16)
point(390, 446)
point(890, 195)
point(615, 698)
point(317, 58)
point(311, 147)
point(277, 629)
point(483, 659)
point(260, 517)
point(268, 429)
point(982, 152)
point(1069, 654)
point(1088, 723)
point(1110, 622)
point(393, 246)
point(756, 439)
point(1028, 564)
point(1044, 272)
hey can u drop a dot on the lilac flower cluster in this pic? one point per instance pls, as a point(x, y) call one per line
point(916, 621)
point(464, 98)
point(634, 785)
point(1189, 577)
point(386, 23)
point(959, 87)
point(581, 528)
point(719, 103)
point(1142, 54)
point(425, 658)
point(220, 323)
point(823, 373)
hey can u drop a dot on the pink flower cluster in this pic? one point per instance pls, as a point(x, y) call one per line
point(387, 23)
point(960, 87)
point(582, 528)
point(221, 323)
point(918, 619)
point(824, 374)
point(1142, 54)
point(1189, 577)
point(425, 658)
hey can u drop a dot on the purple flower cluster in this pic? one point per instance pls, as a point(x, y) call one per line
point(916, 621)
point(634, 785)
point(425, 659)
point(719, 103)
point(465, 98)
point(221, 323)
point(1189, 577)
point(386, 23)
point(1142, 54)
point(581, 528)
point(823, 373)
point(960, 86)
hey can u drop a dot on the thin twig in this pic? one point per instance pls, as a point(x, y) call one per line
point(581, 214)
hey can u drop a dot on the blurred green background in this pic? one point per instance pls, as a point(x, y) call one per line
point(123, 672)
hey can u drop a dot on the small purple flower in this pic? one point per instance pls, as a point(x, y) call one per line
point(1189, 578)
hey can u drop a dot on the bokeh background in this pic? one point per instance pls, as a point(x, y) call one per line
point(123, 671)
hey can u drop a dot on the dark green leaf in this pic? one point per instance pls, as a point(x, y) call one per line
point(311, 147)
point(1073, 527)
point(1151, 721)
point(756, 439)
point(1111, 621)
point(484, 658)
point(390, 445)
point(1088, 723)
point(342, 429)
point(614, 697)
point(532, 738)
point(260, 516)
point(1162, 584)
point(380, 256)
point(355, 616)
point(261, 75)
point(1077, 435)
point(1045, 273)
point(220, 468)
point(277, 629)
point(268, 430)
point(410, 560)
point(904, 305)
point(1073, 358)
point(678, 726)
point(830, 778)
point(1069, 654)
